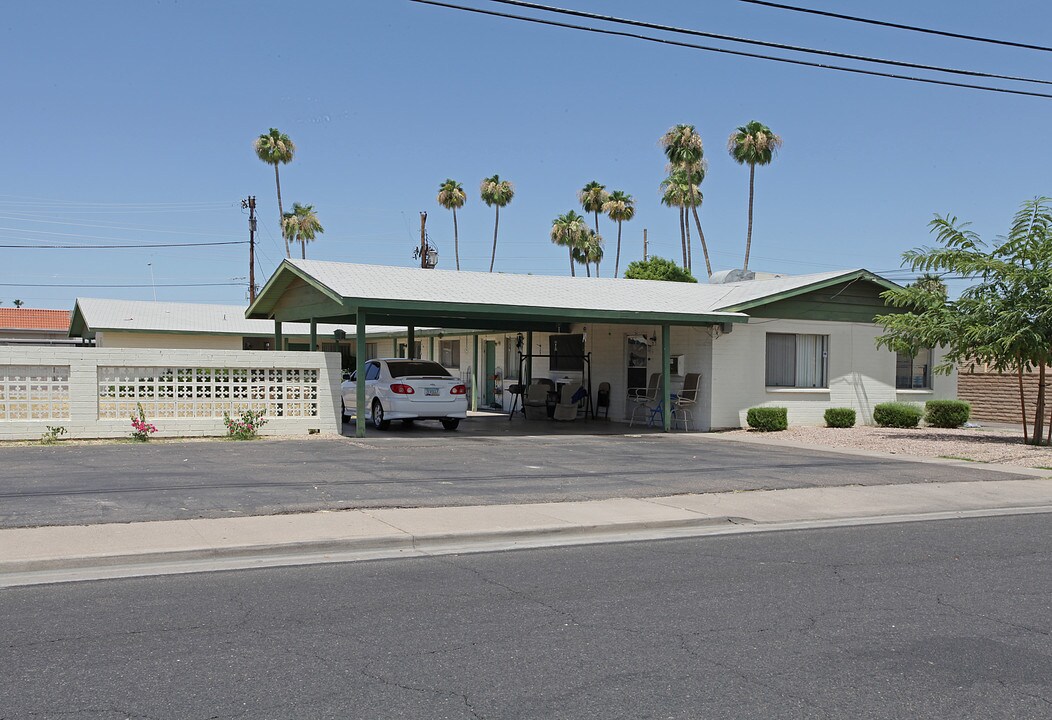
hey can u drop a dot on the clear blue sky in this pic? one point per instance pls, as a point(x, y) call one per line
point(133, 122)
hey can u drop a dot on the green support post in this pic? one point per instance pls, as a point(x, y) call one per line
point(666, 377)
point(277, 335)
point(359, 368)
point(313, 335)
point(431, 347)
point(410, 343)
point(475, 370)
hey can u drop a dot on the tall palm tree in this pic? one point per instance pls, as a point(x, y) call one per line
point(592, 196)
point(619, 208)
point(496, 193)
point(752, 144)
point(569, 231)
point(275, 148)
point(451, 196)
point(301, 225)
point(673, 195)
point(684, 151)
point(592, 251)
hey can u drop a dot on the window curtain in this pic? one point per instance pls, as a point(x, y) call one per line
point(811, 360)
point(781, 360)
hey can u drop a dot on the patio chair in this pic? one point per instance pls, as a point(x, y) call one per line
point(686, 399)
point(602, 400)
point(535, 402)
point(645, 399)
point(568, 405)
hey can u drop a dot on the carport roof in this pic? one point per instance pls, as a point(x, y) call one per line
point(302, 289)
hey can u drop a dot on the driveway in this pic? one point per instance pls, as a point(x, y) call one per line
point(418, 467)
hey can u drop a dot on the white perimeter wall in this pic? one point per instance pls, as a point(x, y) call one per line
point(79, 412)
point(860, 374)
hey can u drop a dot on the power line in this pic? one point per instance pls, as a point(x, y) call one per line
point(146, 285)
point(763, 43)
point(726, 51)
point(899, 26)
point(108, 227)
point(116, 247)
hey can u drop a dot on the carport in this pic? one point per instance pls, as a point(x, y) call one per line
point(314, 291)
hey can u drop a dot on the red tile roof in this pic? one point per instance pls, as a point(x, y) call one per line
point(32, 319)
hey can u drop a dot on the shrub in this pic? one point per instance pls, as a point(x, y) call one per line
point(897, 415)
point(947, 413)
point(245, 427)
point(768, 419)
point(840, 417)
point(52, 434)
point(141, 430)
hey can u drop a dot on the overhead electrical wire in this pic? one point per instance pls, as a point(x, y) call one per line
point(143, 285)
point(116, 247)
point(726, 51)
point(899, 26)
point(764, 43)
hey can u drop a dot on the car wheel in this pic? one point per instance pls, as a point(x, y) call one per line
point(378, 416)
point(450, 423)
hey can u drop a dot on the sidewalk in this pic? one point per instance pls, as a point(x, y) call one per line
point(69, 553)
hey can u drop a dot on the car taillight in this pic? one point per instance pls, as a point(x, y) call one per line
point(459, 390)
point(400, 389)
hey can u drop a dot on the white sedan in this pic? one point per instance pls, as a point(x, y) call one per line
point(406, 390)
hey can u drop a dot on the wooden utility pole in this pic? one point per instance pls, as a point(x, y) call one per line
point(250, 203)
point(423, 240)
point(644, 244)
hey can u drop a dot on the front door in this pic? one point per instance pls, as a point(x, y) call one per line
point(636, 351)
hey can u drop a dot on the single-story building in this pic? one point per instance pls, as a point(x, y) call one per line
point(34, 326)
point(803, 342)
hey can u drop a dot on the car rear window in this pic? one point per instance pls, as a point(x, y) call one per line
point(408, 368)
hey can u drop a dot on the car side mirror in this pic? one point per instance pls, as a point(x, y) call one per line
point(346, 376)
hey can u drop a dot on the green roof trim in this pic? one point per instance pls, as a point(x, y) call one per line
point(849, 277)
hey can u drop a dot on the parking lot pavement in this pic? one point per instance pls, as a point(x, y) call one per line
point(417, 467)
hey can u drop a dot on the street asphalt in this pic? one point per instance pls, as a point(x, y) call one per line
point(124, 482)
point(947, 619)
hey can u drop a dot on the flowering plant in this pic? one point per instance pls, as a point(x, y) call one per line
point(245, 427)
point(141, 430)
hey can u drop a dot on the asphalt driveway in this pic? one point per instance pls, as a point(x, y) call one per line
point(82, 484)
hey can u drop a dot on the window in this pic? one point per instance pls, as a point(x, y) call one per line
point(416, 368)
point(449, 353)
point(567, 352)
point(800, 361)
point(372, 371)
point(913, 372)
point(416, 349)
point(370, 350)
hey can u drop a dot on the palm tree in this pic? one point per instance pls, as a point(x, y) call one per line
point(569, 231)
point(685, 152)
point(592, 251)
point(275, 148)
point(452, 196)
point(672, 195)
point(496, 193)
point(592, 196)
point(619, 208)
point(301, 225)
point(752, 144)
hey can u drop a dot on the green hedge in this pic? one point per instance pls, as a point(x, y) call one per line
point(947, 413)
point(768, 419)
point(840, 417)
point(897, 415)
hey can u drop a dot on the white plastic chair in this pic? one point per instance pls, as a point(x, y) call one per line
point(644, 398)
point(686, 399)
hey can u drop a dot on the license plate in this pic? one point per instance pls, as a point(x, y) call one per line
point(431, 391)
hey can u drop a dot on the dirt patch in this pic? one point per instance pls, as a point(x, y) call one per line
point(1005, 447)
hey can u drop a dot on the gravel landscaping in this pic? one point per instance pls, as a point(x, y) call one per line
point(976, 444)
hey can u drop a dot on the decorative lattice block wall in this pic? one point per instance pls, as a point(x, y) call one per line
point(205, 392)
point(34, 392)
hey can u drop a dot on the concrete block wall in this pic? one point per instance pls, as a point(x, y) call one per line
point(83, 363)
point(995, 396)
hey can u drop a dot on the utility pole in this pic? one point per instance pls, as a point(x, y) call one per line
point(250, 203)
point(644, 244)
point(423, 240)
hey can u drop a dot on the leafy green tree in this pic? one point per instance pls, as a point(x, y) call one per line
point(451, 196)
point(275, 148)
point(685, 153)
point(619, 208)
point(569, 231)
point(496, 193)
point(1004, 319)
point(752, 144)
point(657, 268)
point(301, 225)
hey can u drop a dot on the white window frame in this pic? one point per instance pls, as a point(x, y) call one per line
point(926, 374)
point(806, 355)
point(453, 346)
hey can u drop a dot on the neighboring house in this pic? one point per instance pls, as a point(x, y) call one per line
point(198, 326)
point(803, 342)
point(31, 326)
